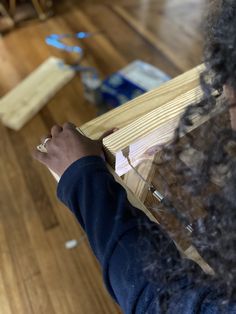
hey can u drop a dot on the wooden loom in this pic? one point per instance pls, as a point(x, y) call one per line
point(149, 121)
point(145, 123)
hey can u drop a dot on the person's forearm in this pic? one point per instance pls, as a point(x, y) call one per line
point(129, 247)
point(92, 194)
point(126, 255)
point(112, 226)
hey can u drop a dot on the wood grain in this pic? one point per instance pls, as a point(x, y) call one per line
point(155, 33)
point(127, 113)
point(155, 128)
point(23, 102)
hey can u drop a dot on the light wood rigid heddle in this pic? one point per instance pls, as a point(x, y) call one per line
point(149, 121)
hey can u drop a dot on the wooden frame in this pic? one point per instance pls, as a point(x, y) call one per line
point(180, 91)
point(6, 21)
point(155, 128)
point(134, 109)
point(149, 120)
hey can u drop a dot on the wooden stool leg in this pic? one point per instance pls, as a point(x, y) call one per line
point(39, 9)
point(12, 7)
point(6, 21)
point(43, 4)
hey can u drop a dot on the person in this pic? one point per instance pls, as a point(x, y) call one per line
point(142, 268)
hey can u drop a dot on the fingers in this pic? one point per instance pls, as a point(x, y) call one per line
point(69, 126)
point(43, 138)
point(44, 143)
point(109, 132)
point(55, 130)
point(41, 157)
point(72, 127)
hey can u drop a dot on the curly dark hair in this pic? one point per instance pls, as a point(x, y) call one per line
point(214, 235)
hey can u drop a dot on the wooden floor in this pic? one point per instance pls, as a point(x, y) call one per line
point(37, 273)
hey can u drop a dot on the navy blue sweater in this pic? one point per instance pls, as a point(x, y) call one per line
point(113, 228)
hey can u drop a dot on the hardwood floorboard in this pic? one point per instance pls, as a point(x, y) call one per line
point(34, 186)
point(37, 273)
point(11, 298)
point(38, 295)
point(119, 35)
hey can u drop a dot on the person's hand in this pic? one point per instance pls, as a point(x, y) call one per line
point(65, 145)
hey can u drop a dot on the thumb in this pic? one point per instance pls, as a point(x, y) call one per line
point(41, 157)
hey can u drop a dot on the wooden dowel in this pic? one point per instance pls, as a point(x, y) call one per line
point(12, 7)
point(41, 13)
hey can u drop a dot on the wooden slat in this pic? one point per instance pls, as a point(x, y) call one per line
point(23, 102)
point(155, 128)
point(127, 113)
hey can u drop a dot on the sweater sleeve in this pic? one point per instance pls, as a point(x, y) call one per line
point(113, 229)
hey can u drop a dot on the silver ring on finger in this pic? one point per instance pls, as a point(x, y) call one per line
point(42, 147)
point(46, 140)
